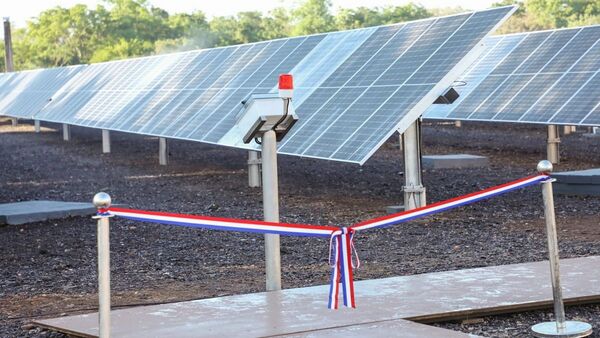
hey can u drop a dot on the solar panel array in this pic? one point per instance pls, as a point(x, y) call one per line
point(353, 89)
point(23, 94)
point(549, 77)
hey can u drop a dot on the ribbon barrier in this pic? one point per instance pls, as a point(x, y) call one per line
point(341, 239)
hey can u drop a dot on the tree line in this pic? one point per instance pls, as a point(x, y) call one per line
point(117, 29)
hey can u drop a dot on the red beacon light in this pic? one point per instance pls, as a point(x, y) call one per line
point(286, 86)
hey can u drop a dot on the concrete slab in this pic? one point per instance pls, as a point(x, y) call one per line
point(395, 328)
point(426, 298)
point(36, 211)
point(582, 182)
point(455, 161)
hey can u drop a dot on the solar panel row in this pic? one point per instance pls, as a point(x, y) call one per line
point(353, 89)
point(548, 77)
point(23, 94)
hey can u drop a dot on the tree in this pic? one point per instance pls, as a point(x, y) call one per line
point(313, 16)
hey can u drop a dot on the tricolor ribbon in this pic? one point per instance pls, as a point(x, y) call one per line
point(341, 250)
point(341, 239)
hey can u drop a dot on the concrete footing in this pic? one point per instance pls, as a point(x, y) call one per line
point(581, 182)
point(454, 161)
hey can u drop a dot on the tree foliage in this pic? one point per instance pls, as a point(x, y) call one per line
point(118, 29)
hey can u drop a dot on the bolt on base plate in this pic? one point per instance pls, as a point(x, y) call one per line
point(572, 329)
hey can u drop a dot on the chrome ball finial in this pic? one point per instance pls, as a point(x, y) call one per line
point(544, 166)
point(102, 200)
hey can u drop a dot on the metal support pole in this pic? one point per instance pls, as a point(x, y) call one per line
point(553, 141)
point(400, 142)
point(271, 209)
point(14, 121)
point(36, 126)
point(560, 327)
point(414, 192)
point(102, 201)
point(253, 169)
point(105, 141)
point(567, 130)
point(163, 151)
point(66, 132)
point(458, 124)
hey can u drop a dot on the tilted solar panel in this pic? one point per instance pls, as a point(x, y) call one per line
point(547, 77)
point(22, 94)
point(353, 88)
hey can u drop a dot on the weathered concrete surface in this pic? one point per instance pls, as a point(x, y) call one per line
point(426, 297)
point(395, 328)
point(36, 211)
point(582, 182)
point(456, 161)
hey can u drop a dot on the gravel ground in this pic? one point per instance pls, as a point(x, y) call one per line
point(49, 268)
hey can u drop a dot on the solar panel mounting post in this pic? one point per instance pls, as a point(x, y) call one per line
point(253, 169)
point(105, 141)
point(66, 132)
point(414, 192)
point(163, 151)
point(552, 144)
point(36, 126)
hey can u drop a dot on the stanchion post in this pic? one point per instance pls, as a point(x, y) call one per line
point(102, 201)
point(560, 327)
point(271, 209)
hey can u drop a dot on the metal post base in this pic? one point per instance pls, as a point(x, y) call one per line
point(572, 329)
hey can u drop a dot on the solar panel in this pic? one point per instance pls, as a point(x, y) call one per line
point(547, 77)
point(22, 94)
point(353, 88)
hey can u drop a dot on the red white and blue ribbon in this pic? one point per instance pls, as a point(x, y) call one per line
point(341, 239)
point(452, 203)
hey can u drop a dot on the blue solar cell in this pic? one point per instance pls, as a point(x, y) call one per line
point(547, 77)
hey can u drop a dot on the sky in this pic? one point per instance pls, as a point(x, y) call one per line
point(21, 10)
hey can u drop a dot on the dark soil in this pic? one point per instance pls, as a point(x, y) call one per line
point(49, 268)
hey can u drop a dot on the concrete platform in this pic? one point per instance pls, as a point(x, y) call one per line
point(382, 305)
point(36, 211)
point(456, 161)
point(582, 182)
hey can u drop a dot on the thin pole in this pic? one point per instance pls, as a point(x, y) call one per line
point(271, 209)
point(8, 51)
point(552, 151)
point(559, 308)
point(66, 132)
point(253, 169)
point(36, 126)
point(105, 141)
point(163, 151)
point(102, 201)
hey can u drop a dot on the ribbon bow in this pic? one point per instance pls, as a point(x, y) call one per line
point(340, 249)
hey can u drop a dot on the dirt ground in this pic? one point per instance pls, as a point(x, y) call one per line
point(49, 268)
